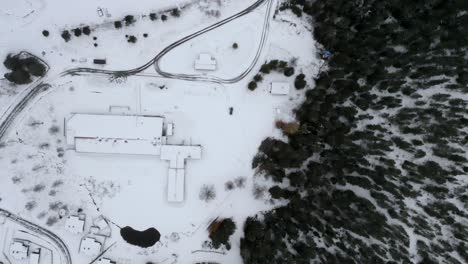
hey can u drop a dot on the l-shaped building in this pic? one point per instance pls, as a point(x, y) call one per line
point(135, 135)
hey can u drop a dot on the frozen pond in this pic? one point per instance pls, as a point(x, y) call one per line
point(144, 239)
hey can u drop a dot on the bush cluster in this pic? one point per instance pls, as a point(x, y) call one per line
point(268, 67)
point(220, 231)
point(22, 67)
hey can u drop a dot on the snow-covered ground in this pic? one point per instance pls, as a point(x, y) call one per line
point(246, 32)
point(111, 42)
point(38, 170)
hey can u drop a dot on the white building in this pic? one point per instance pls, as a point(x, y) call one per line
point(119, 134)
point(177, 155)
point(205, 62)
point(175, 185)
point(19, 250)
point(169, 129)
point(35, 257)
point(279, 88)
point(126, 134)
point(74, 224)
point(105, 261)
point(90, 246)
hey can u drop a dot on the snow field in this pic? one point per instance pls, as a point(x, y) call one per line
point(130, 190)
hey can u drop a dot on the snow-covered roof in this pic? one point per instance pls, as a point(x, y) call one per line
point(19, 250)
point(118, 146)
point(130, 135)
point(177, 154)
point(105, 261)
point(102, 224)
point(74, 224)
point(205, 62)
point(176, 185)
point(35, 257)
point(169, 129)
point(121, 134)
point(279, 88)
point(90, 246)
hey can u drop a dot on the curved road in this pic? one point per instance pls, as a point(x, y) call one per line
point(13, 111)
point(157, 58)
point(64, 253)
point(197, 77)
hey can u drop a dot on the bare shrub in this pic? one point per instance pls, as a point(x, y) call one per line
point(37, 167)
point(41, 215)
point(44, 145)
point(240, 182)
point(229, 185)
point(174, 237)
point(54, 129)
point(60, 152)
point(51, 220)
point(207, 193)
point(55, 206)
point(288, 128)
point(35, 123)
point(16, 179)
point(207, 245)
point(259, 191)
point(57, 183)
point(213, 13)
point(38, 188)
point(30, 205)
point(293, 61)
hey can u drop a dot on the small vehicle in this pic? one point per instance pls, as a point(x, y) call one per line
point(100, 12)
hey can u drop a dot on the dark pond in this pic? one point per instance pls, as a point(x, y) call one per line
point(143, 239)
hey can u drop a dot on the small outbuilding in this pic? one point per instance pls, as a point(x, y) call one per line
point(100, 61)
point(177, 156)
point(75, 224)
point(170, 129)
point(90, 246)
point(279, 88)
point(205, 62)
point(35, 257)
point(105, 261)
point(19, 250)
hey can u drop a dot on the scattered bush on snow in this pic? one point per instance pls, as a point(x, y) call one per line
point(207, 193)
point(220, 230)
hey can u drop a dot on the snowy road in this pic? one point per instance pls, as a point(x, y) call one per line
point(204, 78)
point(14, 109)
point(62, 249)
